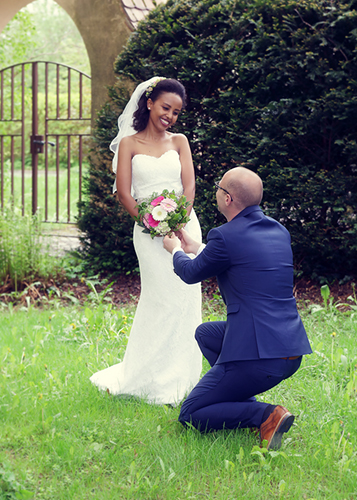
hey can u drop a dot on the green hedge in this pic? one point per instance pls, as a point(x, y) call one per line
point(271, 85)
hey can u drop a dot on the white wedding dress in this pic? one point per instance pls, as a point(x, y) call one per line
point(162, 361)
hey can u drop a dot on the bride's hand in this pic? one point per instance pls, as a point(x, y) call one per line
point(171, 242)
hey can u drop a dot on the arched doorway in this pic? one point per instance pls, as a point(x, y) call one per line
point(42, 150)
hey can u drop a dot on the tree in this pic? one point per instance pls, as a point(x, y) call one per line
point(17, 39)
point(272, 86)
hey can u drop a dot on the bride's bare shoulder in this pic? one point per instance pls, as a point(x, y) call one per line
point(180, 140)
point(129, 140)
point(129, 144)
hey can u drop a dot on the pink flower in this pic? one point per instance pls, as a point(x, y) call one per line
point(157, 200)
point(149, 221)
point(168, 204)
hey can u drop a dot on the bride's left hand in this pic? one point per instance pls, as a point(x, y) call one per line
point(171, 242)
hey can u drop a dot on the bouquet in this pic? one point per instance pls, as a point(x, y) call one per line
point(162, 214)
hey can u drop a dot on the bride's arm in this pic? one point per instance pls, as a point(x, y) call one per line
point(187, 170)
point(123, 179)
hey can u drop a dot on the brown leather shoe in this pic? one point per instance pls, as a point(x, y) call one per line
point(272, 429)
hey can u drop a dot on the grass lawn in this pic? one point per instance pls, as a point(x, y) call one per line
point(60, 438)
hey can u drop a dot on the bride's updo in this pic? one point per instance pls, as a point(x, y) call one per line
point(141, 115)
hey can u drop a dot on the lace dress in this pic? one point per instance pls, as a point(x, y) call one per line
point(162, 361)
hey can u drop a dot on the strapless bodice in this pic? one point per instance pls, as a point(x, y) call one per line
point(151, 174)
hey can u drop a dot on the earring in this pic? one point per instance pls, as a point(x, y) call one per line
point(149, 109)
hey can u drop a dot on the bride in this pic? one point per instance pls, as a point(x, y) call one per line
point(162, 361)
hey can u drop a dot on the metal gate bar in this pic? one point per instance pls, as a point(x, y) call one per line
point(68, 176)
point(23, 139)
point(2, 169)
point(46, 148)
point(34, 149)
point(57, 177)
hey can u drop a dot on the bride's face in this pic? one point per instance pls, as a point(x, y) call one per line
point(165, 110)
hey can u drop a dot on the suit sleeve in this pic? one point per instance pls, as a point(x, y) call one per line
point(211, 261)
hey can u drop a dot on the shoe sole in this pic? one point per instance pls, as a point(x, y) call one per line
point(283, 426)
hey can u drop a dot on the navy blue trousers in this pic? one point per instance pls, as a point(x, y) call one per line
point(225, 396)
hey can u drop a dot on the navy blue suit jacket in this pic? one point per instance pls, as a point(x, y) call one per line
point(252, 258)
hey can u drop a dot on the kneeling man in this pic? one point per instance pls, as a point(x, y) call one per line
point(263, 339)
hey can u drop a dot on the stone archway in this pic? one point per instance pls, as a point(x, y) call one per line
point(104, 27)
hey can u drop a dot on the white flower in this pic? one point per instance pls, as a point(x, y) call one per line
point(163, 228)
point(159, 213)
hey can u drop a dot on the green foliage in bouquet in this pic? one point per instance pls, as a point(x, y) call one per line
point(162, 214)
point(272, 86)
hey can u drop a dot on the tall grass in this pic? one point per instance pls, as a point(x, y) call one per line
point(23, 254)
point(60, 438)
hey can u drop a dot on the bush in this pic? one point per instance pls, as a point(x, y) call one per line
point(107, 244)
point(272, 86)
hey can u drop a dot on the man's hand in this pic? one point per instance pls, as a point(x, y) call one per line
point(171, 242)
point(188, 244)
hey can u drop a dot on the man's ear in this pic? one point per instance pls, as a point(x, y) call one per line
point(228, 200)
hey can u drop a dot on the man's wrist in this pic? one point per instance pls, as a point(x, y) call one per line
point(176, 249)
point(200, 248)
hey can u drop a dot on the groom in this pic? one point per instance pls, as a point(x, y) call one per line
point(263, 339)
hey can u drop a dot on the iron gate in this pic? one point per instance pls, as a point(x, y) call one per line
point(44, 136)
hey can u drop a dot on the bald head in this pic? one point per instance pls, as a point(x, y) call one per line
point(245, 186)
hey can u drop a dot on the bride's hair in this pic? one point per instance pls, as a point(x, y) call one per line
point(141, 115)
